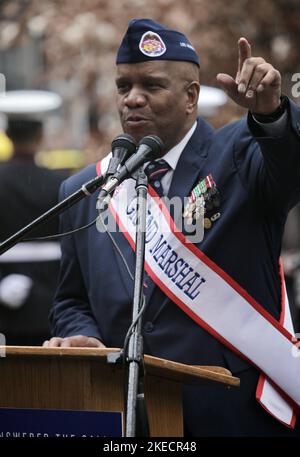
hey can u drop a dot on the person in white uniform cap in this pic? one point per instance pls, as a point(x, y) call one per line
point(28, 270)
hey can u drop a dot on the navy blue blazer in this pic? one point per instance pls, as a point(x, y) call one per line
point(259, 181)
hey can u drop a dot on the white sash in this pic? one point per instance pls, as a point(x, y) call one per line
point(216, 302)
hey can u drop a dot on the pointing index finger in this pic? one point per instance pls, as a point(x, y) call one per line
point(244, 53)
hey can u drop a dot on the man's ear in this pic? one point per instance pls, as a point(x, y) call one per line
point(193, 90)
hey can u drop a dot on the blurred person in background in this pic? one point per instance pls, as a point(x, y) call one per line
point(28, 271)
point(291, 263)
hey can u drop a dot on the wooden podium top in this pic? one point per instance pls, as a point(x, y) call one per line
point(88, 379)
point(188, 374)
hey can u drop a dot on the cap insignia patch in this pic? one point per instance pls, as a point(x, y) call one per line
point(152, 45)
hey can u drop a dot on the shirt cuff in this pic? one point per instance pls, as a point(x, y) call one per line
point(276, 128)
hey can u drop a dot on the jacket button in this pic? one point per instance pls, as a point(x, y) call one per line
point(148, 327)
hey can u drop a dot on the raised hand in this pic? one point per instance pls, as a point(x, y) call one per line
point(257, 85)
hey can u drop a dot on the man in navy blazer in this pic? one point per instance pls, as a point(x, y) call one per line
point(255, 164)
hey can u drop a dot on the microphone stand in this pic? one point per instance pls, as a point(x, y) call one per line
point(135, 406)
point(86, 190)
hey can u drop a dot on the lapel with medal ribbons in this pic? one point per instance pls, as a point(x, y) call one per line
point(204, 200)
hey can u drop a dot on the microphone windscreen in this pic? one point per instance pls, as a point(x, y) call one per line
point(155, 144)
point(124, 141)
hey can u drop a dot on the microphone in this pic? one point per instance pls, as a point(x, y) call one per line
point(149, 148)
point(122, 147)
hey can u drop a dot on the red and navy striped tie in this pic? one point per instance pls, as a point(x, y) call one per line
point(155, 171)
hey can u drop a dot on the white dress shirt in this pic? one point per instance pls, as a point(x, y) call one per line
point(172, 157)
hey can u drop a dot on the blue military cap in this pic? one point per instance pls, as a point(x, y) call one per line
point(146, 40)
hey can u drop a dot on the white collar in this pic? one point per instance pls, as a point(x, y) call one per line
point(173, 155)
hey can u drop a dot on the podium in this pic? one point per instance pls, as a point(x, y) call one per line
point(81, 379)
